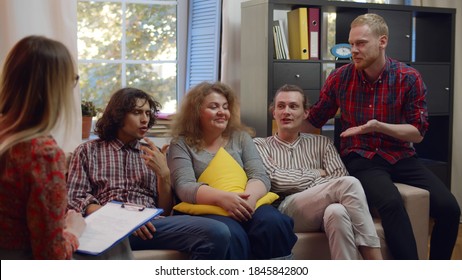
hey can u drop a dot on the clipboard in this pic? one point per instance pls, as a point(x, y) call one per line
point(111, 224)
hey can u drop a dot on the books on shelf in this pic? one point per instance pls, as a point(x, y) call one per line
point(302, 25)
point(280, 43)
point(277, 49)
point(162, 126)
point(165, 116)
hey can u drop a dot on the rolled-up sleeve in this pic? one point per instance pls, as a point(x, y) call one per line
point(80, 191)
point(326, 107)
point(416, 112)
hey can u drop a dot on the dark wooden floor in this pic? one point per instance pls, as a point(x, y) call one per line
point(457, 253)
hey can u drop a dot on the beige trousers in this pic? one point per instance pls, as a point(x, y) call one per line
point(338, 207)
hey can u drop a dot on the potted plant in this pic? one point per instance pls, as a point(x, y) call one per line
point(89, 110)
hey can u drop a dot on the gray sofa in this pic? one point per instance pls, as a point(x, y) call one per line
point(314, 245)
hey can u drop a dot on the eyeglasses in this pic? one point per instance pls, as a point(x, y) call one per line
point(76, 80)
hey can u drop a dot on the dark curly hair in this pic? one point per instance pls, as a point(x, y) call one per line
point(122, 102)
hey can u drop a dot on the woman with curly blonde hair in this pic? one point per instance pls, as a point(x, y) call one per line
point(208, 122)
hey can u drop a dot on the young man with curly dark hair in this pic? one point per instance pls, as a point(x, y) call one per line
point(117, 166)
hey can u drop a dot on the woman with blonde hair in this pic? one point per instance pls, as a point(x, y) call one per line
point(36, 89)
point(207, 125)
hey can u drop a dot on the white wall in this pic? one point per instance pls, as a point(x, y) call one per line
point(55, 19)
point(231, 44)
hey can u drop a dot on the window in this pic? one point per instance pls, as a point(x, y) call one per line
point(131, 43)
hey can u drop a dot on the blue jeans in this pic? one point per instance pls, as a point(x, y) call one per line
point(201, 238)
point(269, 234)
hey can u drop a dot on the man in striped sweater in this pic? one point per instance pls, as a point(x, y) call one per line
point(313, 183)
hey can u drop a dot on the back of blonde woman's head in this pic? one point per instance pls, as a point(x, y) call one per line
point(35, 89)
point(187, 120)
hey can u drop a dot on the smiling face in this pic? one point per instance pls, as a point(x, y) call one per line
point(214, 113)
point(135, 123)
point(289, 112)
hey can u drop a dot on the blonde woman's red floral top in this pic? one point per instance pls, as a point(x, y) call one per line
point(33, 201)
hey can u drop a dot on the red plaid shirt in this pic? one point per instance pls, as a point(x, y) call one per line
point(397, 97)
point(102, 171)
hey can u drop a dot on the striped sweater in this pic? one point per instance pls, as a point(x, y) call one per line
point(294, 167)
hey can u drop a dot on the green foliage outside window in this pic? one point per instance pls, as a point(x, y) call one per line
point(132, 49)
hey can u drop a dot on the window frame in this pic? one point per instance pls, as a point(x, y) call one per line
point(181, 41)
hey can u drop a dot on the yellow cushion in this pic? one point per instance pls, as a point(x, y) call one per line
point(223, 173)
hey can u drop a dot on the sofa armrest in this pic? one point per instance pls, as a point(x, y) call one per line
point(417, 204)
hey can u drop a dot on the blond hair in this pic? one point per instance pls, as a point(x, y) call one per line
point(187, 121)
point(375, 22)
point(35, 90)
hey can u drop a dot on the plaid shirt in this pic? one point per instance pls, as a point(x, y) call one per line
point(102, 171)
point(397, 97)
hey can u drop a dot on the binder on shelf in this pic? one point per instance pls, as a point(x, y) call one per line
point(111, 224)
point(297, 21)
point(313, 29)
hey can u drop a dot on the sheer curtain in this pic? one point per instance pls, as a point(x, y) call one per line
point(55, 19)
point(231, 44)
